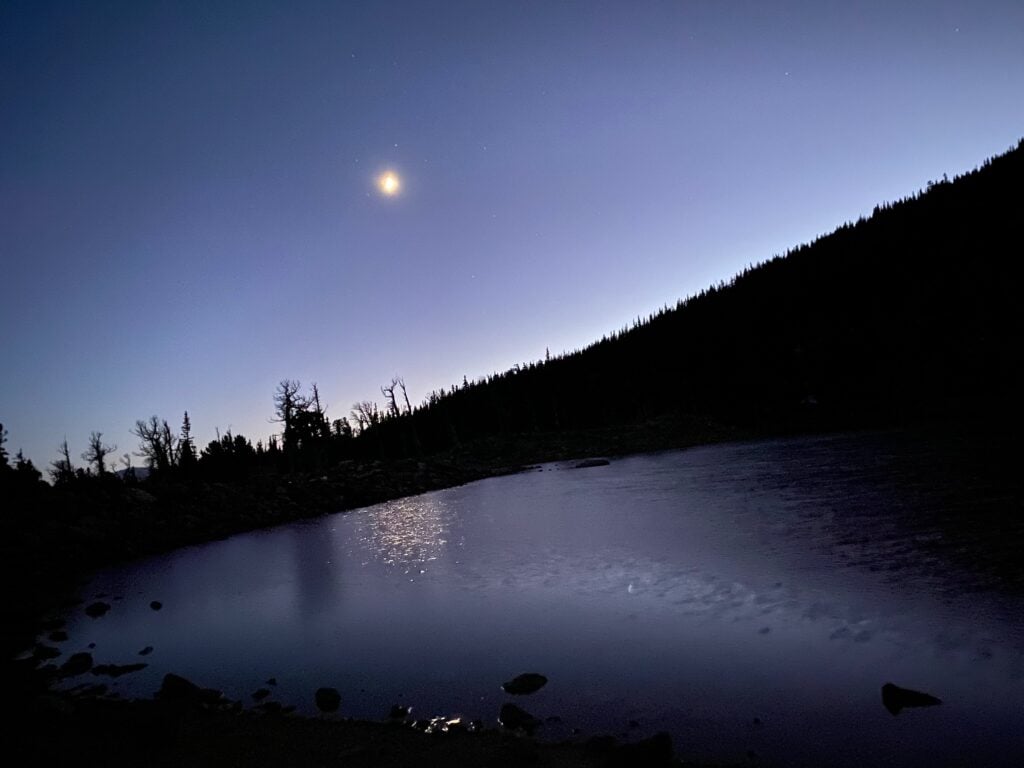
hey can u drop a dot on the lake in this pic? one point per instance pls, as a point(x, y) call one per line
point(751, 599)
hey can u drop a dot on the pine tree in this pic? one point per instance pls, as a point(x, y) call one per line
point(186, 448)
point(3, 451)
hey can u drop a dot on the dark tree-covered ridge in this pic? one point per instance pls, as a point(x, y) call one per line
point(912, 313)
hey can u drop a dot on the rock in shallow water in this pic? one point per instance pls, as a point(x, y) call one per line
point(526, 683)
point(177, 688)
point(588, 463)
point(328, 699)
point(97, 609)
point(78, 664)
point(515, 719)
point(45, 652)
point(895, 699)
point(116, 670)
point(649, 753)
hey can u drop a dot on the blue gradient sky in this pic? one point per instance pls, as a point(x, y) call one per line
point(188, 213)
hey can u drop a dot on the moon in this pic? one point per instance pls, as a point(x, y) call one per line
point(389, 184)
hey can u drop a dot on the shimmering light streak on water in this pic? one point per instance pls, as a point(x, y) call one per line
point(407, 533)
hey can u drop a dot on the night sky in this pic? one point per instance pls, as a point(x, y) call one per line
point(190, 209)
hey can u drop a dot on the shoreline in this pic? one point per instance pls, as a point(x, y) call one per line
point(50, 716)
point(115, 523)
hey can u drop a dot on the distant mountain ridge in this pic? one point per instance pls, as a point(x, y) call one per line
point(911, 313)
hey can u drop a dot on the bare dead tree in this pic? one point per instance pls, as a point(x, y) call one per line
point(357, 417)
point(365, 414)
point(97, 452)
point(288, 405)
point(389, 398)
point(405, 395)
point(62, 470)
point(158, 444)
point(319, 414)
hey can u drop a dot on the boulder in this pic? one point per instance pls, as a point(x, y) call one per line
point(146, 651)
point(588, 463)
point(895, 699)
point(116, 670)
point(78, 664)
point(516, 719)
point(526, 683)
point(649, 753)
point(97, 609)
point(45, 652)
point(328, 699)
point(177, 689)
point(156, 605)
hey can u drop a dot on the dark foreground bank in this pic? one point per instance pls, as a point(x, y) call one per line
point(59, 730)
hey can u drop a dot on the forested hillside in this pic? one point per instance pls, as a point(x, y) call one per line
point(910, 313)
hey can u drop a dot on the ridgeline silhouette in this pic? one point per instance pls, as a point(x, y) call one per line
point(905, 316)
point(911, 314)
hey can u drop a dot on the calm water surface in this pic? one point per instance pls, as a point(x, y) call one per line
point(743, 597)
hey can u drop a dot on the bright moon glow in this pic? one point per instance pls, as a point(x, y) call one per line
point(389, 184)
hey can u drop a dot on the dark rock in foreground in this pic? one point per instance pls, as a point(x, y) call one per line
point(116, 670)
point(588, 463)
point(328, 699)
point(45, 652)
point(97, 609)
point(649, 753)
point(526, 683)
point(78, 664)
point(261, 694)
point(146, 651)
point(516, 719)
point(896, 699)
point(156, 605)
point(177, 690)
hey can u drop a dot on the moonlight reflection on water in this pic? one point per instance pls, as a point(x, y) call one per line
point(407, 533)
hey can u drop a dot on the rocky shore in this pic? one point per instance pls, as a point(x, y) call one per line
point(60, 730)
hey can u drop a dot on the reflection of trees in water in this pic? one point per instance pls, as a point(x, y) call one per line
point(317, 567)
point(406, 532)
